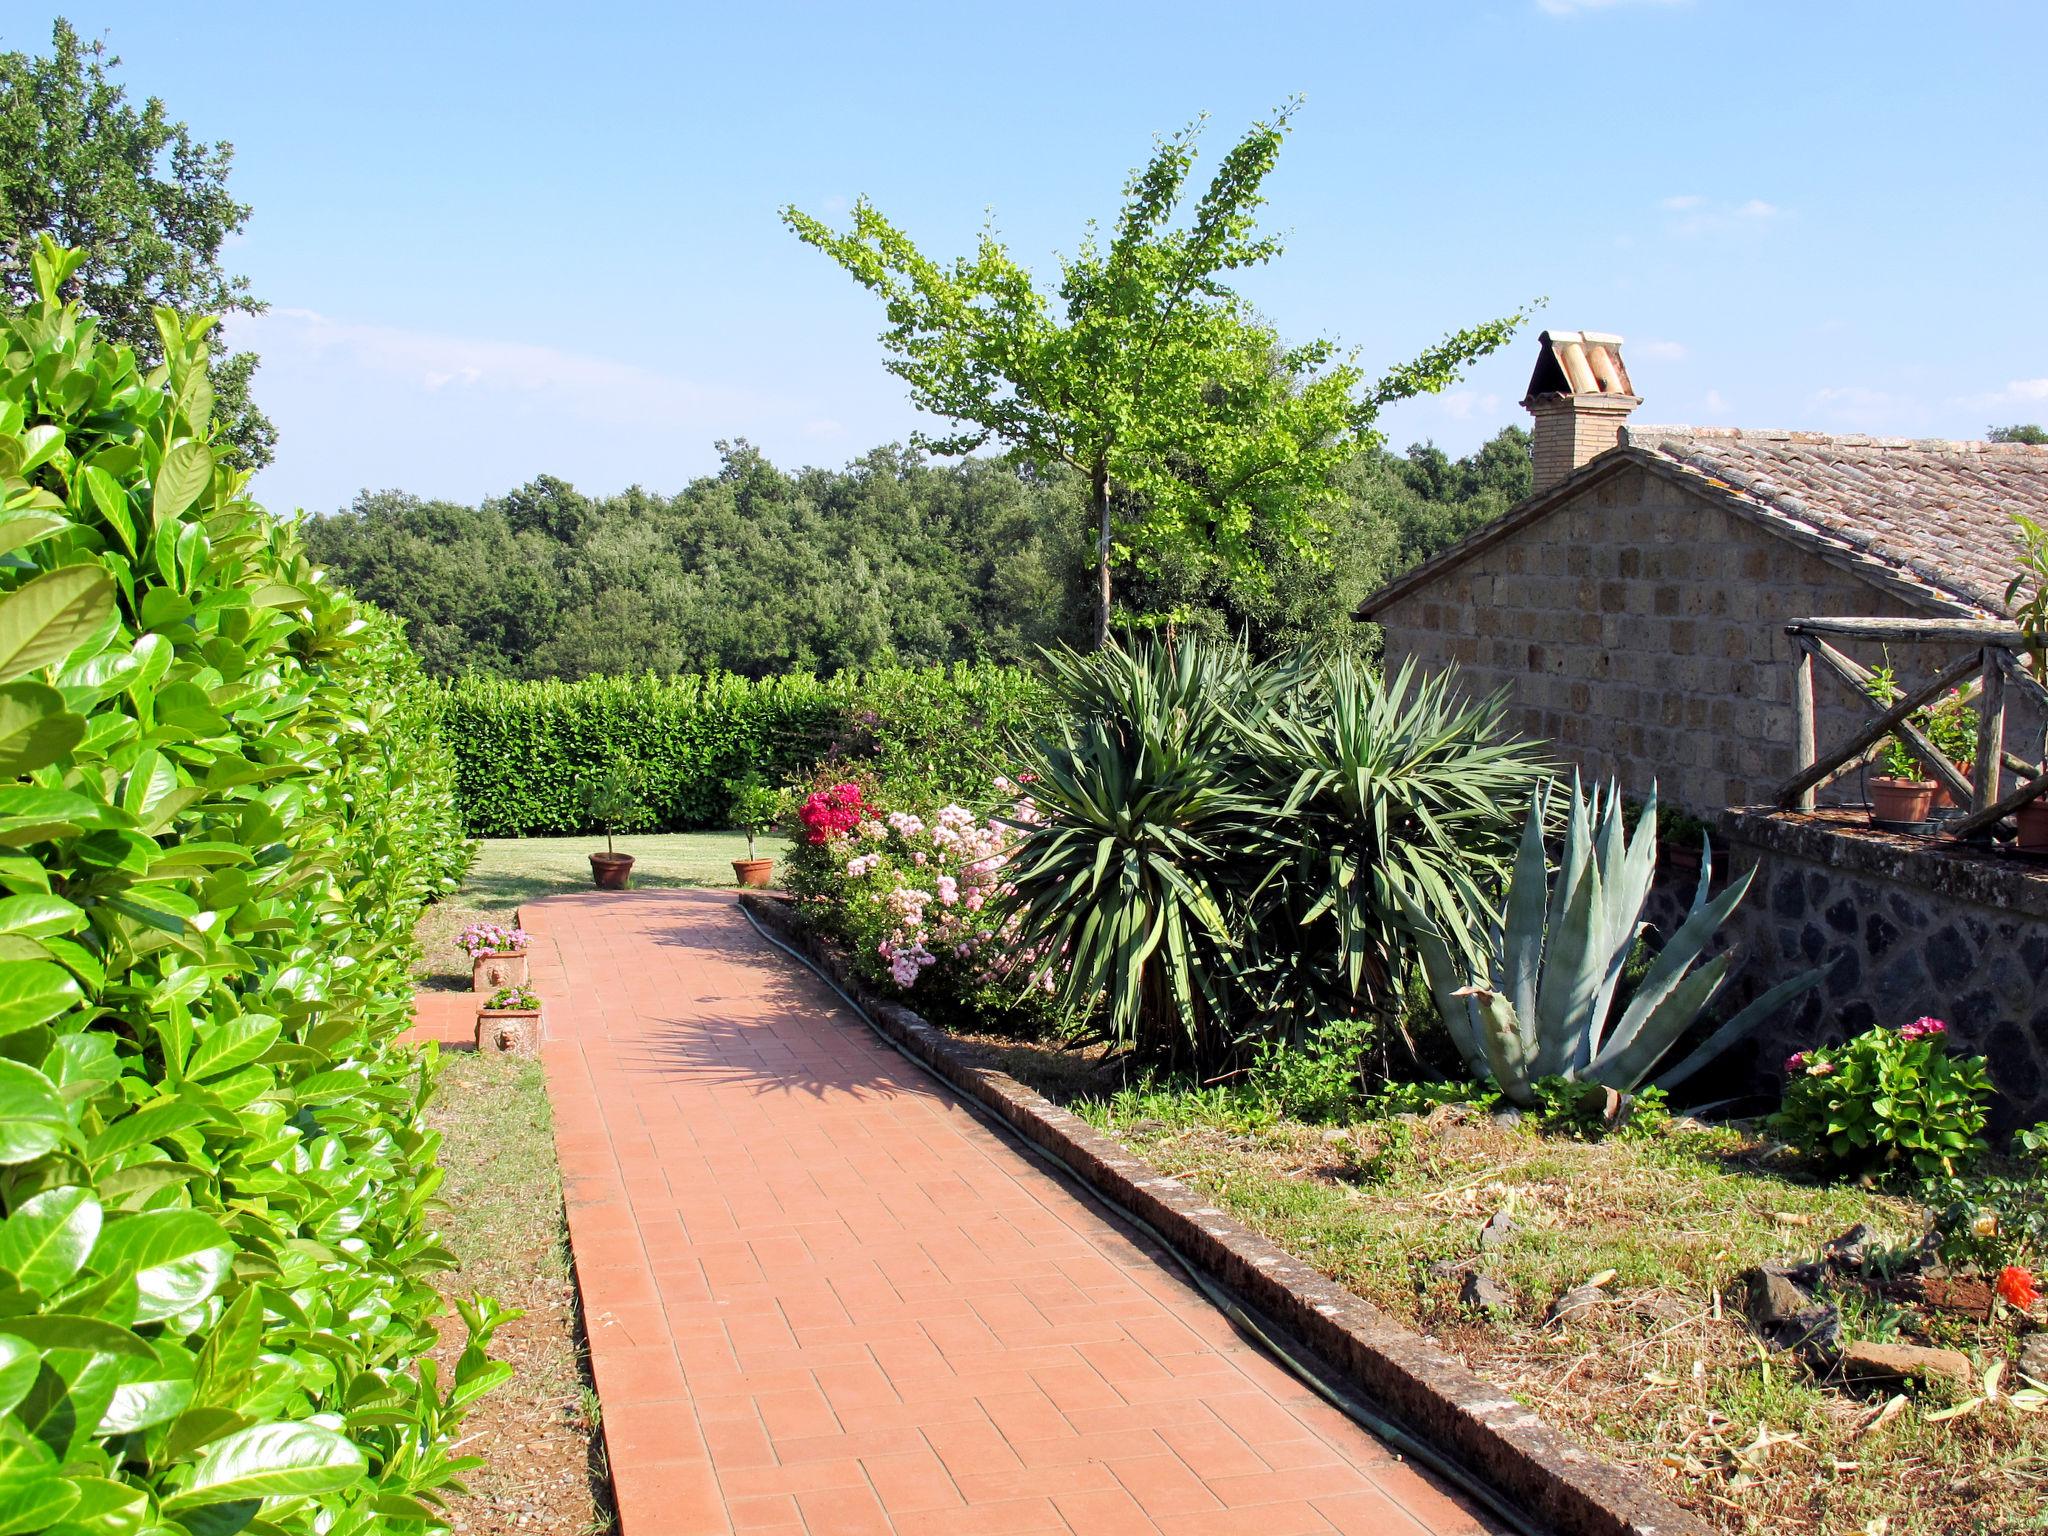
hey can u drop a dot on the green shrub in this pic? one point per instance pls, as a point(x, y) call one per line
point(522, 747)
point(1221, 847)
point(221, 809)
point(1889, 1101)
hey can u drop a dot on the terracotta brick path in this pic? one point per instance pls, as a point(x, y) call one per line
point(823, 1298)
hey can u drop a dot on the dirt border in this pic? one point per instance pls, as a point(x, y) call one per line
point(1551, 1476)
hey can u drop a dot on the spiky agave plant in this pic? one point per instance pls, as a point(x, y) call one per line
point(1555, 955)
point(1143, 852)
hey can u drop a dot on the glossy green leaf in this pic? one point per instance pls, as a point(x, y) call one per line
point(18, 530)
point(46, 1241)
point(33, 1119)
point(43, 621)
point(271, 1461)
point(186, 470)
point(19, 1362)
point(38, 916)
point(178, 1259)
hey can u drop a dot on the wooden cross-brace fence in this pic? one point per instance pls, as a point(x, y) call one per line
point(1994, 659)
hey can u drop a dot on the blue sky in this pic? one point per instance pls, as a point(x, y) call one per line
point(505, 239)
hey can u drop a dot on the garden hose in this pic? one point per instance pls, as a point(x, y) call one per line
point(1397, 1438)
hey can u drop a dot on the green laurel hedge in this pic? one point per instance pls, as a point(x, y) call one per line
point(521, 747)
point(222, 804)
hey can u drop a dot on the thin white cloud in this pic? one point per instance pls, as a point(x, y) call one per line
point(2017, 392)
point(1465, 404)
point(1716, 403)
point(1577, 7)
point(1662, 351)
point(436, 363)
point(1691, 215)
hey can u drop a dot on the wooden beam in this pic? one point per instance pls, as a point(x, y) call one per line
point(1990, 730)
point(1980, 822)
point(1803, 722)
point(1906, 631)
point(2017, 675)
point(1892, 721)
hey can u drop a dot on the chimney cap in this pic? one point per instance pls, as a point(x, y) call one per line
point(1578, 363)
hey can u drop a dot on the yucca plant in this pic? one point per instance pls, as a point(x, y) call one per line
point(1395, 793)
point(1143, 854)
point(1555, 955)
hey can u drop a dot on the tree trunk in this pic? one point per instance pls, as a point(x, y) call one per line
point(1100, 496)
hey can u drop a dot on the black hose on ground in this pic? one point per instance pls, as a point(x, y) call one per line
point(1400, 1440)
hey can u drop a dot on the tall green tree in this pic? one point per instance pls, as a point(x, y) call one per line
point(2025, 432)
point(147, 204)
point(1192, 423)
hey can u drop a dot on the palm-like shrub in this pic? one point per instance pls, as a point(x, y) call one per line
point(1221, 849)
point(1538, 1003)
point(1393, 794)
point(1141, 851)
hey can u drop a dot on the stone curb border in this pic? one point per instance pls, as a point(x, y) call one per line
point(1545, 1473)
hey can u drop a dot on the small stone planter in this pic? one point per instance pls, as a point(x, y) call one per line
point(500, 968)
point(508, 1031)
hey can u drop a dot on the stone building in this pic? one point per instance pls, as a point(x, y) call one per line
point(1635, 604)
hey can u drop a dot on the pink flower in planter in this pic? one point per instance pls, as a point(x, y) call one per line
point(1795, 1063)
point(1922, 1027)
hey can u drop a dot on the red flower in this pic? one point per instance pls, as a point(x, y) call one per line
point(831, 813)
point(2017, 1286)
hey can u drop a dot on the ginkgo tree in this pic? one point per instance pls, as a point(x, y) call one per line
point(1188, 415)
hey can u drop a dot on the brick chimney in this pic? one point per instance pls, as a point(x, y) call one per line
point(1579, 395)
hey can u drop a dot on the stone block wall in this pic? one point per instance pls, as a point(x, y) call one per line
point(1902, 927)
point(1640, 631)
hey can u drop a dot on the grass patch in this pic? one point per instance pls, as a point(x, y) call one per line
point(501, 1215)
point(1664, 1377)
point(513, 870)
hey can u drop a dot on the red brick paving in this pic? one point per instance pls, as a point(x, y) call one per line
point(823, 1298)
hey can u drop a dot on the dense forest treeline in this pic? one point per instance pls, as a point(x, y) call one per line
point(895, 559)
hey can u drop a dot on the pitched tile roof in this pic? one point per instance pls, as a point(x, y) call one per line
point(1938, 511)
point(1923, 518)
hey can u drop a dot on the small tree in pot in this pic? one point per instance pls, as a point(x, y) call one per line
point(611, 799)
point(755, 808)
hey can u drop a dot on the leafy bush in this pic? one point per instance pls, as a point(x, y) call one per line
point(754, 806)
point(911, 895)
point(1890, 1099)
point(1220, 845)
point(224, 806)
point(1537, 1003)
point(522, 747)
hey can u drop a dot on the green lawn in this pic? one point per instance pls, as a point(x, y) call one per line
point(512, 870)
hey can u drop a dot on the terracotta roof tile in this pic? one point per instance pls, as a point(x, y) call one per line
point(1938, 512)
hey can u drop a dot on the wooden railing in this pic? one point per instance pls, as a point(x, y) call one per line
point(1994, 659)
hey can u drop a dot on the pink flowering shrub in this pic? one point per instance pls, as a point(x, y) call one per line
point(917, 897)
point(1888, 1101)
point(480, 939)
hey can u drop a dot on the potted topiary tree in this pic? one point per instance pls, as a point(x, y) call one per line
point(611, 799)
point(755, 808)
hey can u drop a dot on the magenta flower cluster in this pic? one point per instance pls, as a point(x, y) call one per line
point(1814, 1064)
point(480, 939)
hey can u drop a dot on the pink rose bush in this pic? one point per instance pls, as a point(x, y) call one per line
point(919, 899)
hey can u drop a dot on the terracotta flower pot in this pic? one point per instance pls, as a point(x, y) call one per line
point(1943, 800)
point(1901, 799)
point(509, 1031)
point(2033, 820)
point(754, 872)
point(500, 968)
point(608, 871)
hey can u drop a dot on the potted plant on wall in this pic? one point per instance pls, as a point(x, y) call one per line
point(755, 808)
point(611, 799)
point(1951, 725)
point(2026, 599)
point(1902, 794)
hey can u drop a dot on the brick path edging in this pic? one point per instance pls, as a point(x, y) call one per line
point(1439, 1399)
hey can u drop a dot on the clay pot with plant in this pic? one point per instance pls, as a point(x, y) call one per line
point(2026, 599)
point(754, 809)
point(611, 799)
point(1951, 724)
point(1903, 792)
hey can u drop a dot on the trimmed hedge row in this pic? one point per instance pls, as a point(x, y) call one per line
point(521, 748)
point(222, 804)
